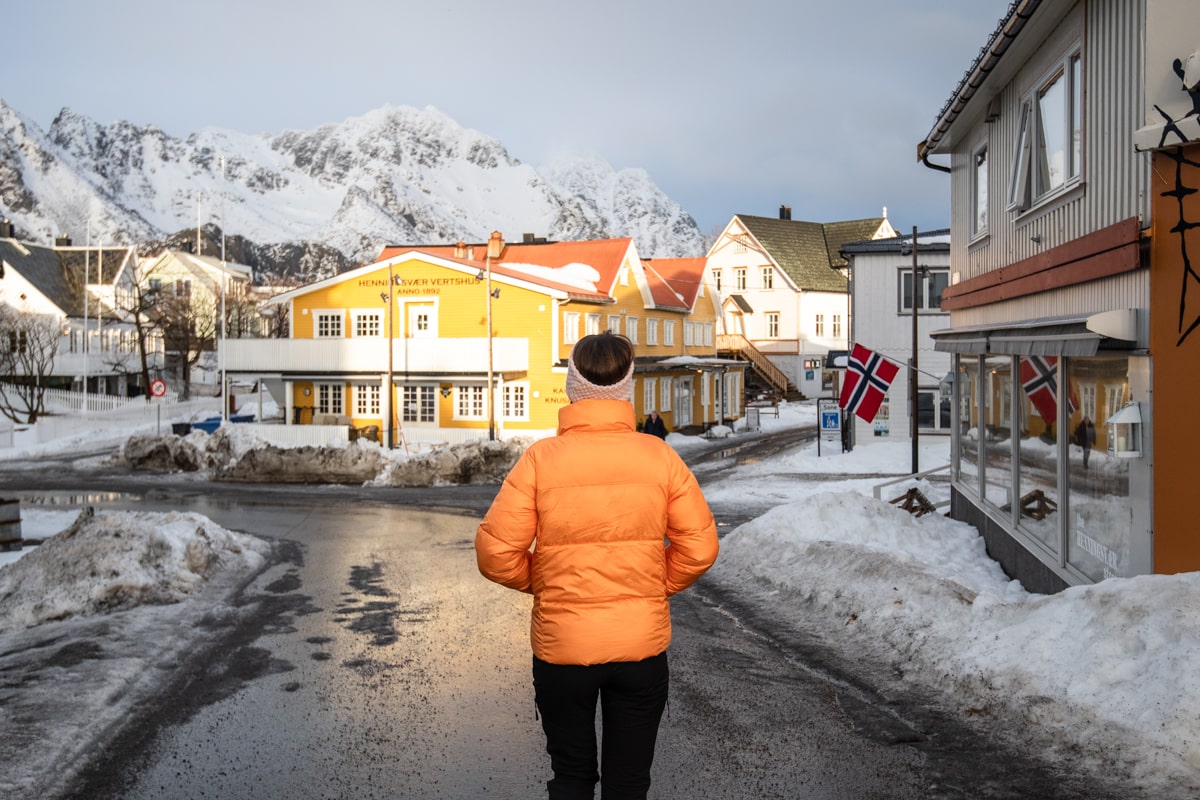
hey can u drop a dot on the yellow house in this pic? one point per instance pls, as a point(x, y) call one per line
point(439, 325)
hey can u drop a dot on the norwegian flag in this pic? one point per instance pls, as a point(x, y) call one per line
point(868, 376)
point(1039, 379)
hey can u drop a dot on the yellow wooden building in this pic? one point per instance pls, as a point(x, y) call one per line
point(439, 325)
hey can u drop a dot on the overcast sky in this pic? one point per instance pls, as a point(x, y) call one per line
point(732, 107)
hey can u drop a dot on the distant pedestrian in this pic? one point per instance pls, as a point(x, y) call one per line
point(1085, 436)
point(654, 425)
point(580, 524)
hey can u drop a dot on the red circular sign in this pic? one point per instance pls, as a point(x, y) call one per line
point(158, 388)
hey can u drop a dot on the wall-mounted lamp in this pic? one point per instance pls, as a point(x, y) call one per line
point(397, 280)
point(1125, 432)
point(383, 296)
point(445, 391)
point(480, 275)
point(1036, 238)
point(496, 292)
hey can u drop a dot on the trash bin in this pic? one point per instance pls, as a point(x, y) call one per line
point(10, 524)
point(181, 428)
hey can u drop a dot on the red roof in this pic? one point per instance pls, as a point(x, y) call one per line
point(603, 255)
point(680, 278)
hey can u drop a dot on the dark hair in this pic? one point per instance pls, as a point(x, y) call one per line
point(603, 358)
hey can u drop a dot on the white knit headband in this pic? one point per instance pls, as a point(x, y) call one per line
point(580, 388)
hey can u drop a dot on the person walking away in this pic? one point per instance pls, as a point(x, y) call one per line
point(654, 425)
point(580, 523)
point(1085, 437)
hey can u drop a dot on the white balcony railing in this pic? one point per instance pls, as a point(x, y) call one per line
point(269, 356)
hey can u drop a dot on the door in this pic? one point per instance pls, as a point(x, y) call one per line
point(683, 402)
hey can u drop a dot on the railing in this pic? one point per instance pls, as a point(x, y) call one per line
point(65, 401)
point(370, 354)
point(879, 487)
point(740, 344)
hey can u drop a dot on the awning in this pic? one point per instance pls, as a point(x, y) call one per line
point(1049, 336)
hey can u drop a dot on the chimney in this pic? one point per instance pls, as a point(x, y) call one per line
point(6, 229)
point(785, 212)
point(62, 241)
point(495, 245)
point(528, 238)
point(460, 249)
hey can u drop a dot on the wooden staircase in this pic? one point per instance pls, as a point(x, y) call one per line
point(734, 345)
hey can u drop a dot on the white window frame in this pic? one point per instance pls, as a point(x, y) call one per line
point(570, 327)
point(689, 333)
point(329, 323)
point(631, 329)
point(925, 303)
point(739, 279)
point(668, 332)
point(768, 277)
point(367, 399)
point(819, 325)
point(470, 401)
point(614, 323)
point(708, 334)
point(979, 191)
point(1034, 180)
point(717, 278)
point(515, 401)
point(665, 392)
point(772, 324)
point(648, 394)
point(592, 324)
point(652, 331)
point(331, 398)
point(424, 397)
point(366, 322)
point(837, 326)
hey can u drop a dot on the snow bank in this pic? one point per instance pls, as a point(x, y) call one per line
point(1097, 674)
point(118, 560)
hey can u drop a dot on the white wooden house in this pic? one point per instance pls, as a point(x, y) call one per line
point(783, 292)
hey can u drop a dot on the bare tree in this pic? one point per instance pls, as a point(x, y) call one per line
point(136, 304)
point(188, 323)
point(28, 345)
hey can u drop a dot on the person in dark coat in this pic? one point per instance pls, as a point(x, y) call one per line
point(654, 425)
point(1085, 437)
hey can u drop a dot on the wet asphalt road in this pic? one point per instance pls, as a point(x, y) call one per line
point(377, 663)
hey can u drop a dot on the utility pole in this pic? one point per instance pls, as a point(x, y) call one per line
point(913, 393)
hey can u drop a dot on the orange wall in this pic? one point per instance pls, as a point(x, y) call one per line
point(1175, 304)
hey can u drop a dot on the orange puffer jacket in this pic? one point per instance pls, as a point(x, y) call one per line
point(599, 500)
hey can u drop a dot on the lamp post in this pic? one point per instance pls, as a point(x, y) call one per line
point(391, 391)
point(87, 277)
point(224, 282)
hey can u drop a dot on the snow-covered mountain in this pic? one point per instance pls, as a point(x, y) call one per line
point(396, 175)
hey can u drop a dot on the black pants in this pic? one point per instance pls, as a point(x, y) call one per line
point(632, 697)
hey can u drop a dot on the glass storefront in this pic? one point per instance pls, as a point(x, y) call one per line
point(966, 462)
point(1038, 443)
point(1101, 509)
point(1069, 498)
point(996, 435)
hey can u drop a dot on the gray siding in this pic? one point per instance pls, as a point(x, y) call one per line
point(1112, 70)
